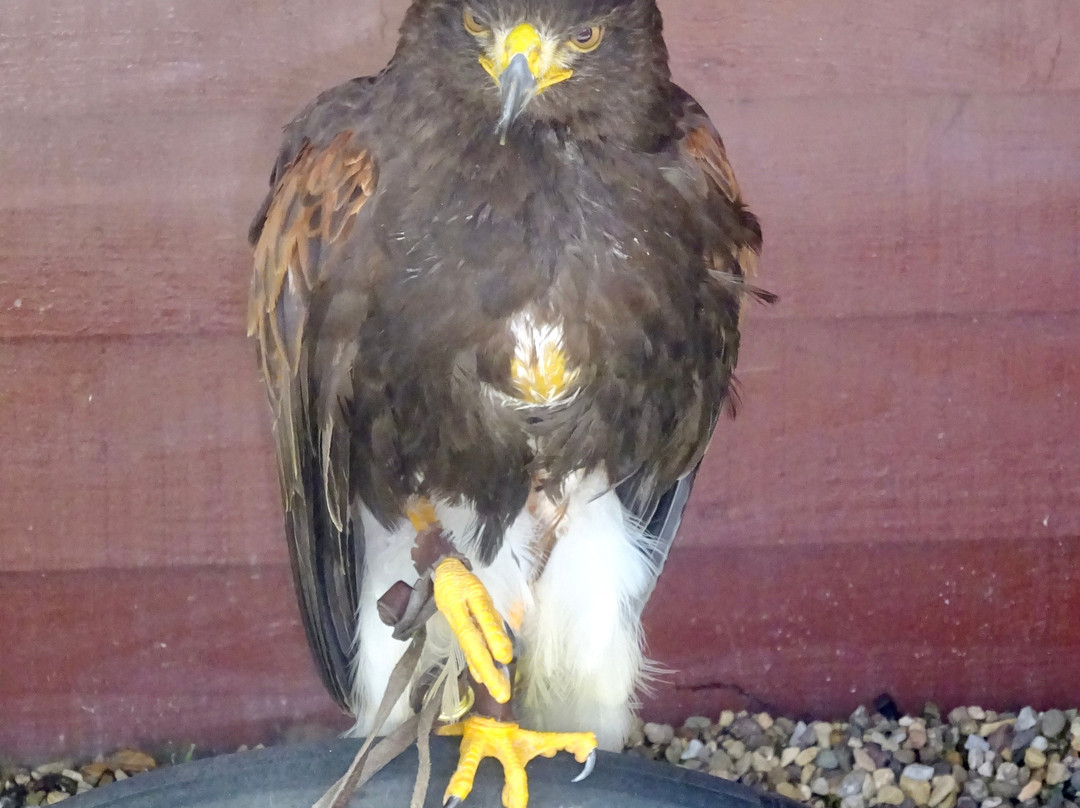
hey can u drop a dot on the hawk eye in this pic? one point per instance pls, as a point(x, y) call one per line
point(472, 25)
point(586, 39)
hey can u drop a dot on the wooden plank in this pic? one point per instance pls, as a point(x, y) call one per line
point(136, 147)
point(930, 204)
point(126, 453)
point(898, 430)
point(200, 50)
point(936, 204)
point(863, 47)
point(213, 656)
point(817, 629)
point(122, 453)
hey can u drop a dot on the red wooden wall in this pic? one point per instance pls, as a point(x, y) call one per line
point(897, 507)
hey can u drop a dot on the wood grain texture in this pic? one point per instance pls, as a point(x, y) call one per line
point(898, 494)
point(157, 451)
point(142, 136)
point(213, 656)
point(869, 47)
point(135, 452)
point(818, 629)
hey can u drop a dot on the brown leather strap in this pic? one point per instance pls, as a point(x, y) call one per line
point(407, 609)
point(426, 721)
point(372, 757)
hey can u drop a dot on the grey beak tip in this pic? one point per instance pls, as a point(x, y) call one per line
point(516, 88)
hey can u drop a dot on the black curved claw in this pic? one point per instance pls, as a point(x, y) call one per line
point(453, 802)
point(590, 764)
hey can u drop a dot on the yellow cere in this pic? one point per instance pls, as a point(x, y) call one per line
point(540, 55)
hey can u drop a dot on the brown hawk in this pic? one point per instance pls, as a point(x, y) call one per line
point(497, 288)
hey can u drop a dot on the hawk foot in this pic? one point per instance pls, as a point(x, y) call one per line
point(513, 747)
point(468, 609)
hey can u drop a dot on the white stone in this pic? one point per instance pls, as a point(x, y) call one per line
point(692, 749)
point(976, 742)
point(918, 771)
point(1027, 719)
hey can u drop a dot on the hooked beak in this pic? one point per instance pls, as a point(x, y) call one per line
point(517, 86)
point(522, 69)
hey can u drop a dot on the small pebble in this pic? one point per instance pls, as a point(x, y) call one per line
point(659, 734)
point(943, 791)
point(790, 791)
point(890, 795)
point(1052, 723)
point(764, 759)
point(976, 742)
point(697, 722)
point(1026, 719)
point(1056, 773)
point(977, 789)
point(852, 784)
point(1034, 759)
point(863, 760)
point(918, 790)
point(1030, 791)
point(807, 755)
point(826, 759)
point(693, 748)
point(884, 777)
point(917, 771)
point(1008, 773)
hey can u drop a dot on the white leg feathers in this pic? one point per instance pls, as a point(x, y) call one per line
point(580, 659)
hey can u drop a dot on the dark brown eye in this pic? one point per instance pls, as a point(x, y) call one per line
point(473, 25)
point(587, 39)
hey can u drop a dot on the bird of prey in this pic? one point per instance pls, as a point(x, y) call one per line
point(497, 289)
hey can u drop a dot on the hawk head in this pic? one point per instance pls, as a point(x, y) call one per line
point(597, 68)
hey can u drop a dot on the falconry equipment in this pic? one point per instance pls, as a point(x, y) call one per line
point(496, 302)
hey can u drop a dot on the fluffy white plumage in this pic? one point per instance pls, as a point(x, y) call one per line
point(579, 645)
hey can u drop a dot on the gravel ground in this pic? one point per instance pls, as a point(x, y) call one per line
point(970, 758)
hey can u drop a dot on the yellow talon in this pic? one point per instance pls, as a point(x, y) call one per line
point(513, 747)
point(467, 606)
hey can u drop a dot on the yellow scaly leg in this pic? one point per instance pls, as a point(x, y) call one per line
point(487, 649)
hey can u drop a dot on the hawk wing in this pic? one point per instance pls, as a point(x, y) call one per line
point(703, 174)
point(318, 187)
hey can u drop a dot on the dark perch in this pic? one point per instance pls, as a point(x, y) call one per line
point(294, 776)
